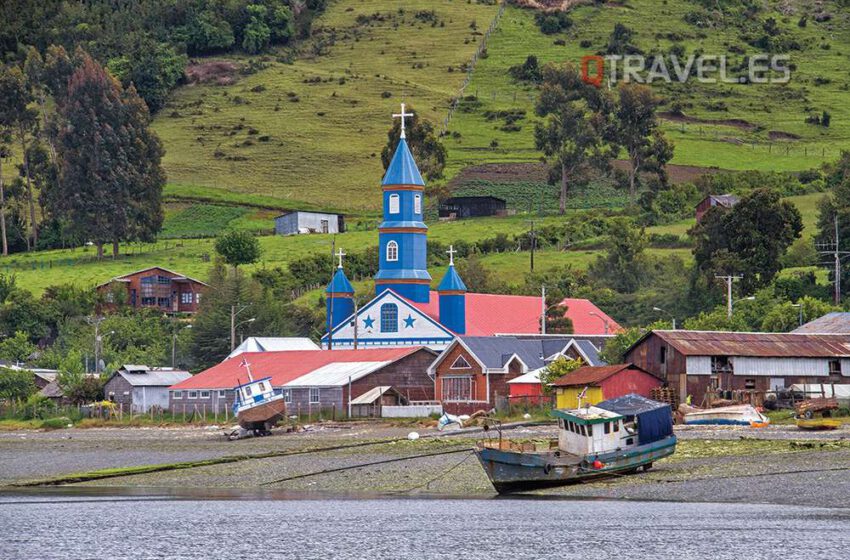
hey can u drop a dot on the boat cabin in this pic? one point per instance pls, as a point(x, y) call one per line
point(592, 430)
point(253, 392)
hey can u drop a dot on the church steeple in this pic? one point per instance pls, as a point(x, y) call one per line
point(402, 236)
point(339, 297)
point(452, 294)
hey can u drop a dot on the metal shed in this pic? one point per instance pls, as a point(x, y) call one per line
point(299, 221)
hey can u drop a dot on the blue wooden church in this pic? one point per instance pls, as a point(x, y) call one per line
point(405, 311)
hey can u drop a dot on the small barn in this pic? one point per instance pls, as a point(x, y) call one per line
point(299, 221)
point(712, 200)
point(603, 383)
point(370, 403)
point(472, 207)
point(137, 388)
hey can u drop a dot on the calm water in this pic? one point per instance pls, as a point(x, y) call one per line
point(81, 527)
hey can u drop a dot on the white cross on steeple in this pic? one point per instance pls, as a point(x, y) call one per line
point(451, 253)
point(340, 254)
point(401, 116)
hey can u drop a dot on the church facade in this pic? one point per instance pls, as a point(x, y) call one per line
point(405, 310)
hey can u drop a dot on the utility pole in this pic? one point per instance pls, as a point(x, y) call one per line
point(233, 313)
point(830, 249)
point(543, 309)
point(355, 337)
point(533, 242)
point(729, 279)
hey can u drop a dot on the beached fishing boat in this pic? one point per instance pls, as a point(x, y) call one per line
point(257, 407)
point(617, 436)
point(818, 424)
point(737, 415)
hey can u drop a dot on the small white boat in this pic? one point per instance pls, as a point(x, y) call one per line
point(737, 415)
point(257, 406)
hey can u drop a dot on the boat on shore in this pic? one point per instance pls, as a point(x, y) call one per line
point(618, 436)
point(737, 415)
point(816, 414)
point(818, 424)
point(257, 406)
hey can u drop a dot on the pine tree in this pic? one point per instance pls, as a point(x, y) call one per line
point(14, 99)
point(111, 178)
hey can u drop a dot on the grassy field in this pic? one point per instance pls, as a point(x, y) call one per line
point(309, 134)
point(819, 82)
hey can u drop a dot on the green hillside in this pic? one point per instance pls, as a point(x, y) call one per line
point(310, 131)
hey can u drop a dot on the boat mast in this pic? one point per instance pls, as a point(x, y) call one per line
point(247, 367)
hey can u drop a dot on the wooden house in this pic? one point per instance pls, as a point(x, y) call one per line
point(312, 381)
point(601, 383)
point(153, 288)
point(138, 388)
point(712, 200)
point(472, 207)
point(700, 362)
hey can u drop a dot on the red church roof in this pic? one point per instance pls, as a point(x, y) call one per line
point(489, 314)
point(286, 366)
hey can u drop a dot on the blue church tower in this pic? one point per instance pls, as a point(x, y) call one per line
point(452, 293)
point(402, 236)
point(339, 297)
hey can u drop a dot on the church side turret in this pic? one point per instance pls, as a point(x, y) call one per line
point(402, 236)
point(339, 297)
point(452, 294)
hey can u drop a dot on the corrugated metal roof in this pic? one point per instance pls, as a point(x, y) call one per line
point(155, 378)
point(273, 344)
point(371, 395)
point(590, 375)
point(765, 345)
point(336, 374)
point(837, 322)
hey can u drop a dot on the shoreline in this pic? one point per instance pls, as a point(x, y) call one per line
point(776, 465)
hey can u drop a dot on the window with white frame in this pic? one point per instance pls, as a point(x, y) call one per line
point(192, 395)
point(222, 394)
point(417, 204)
point(460, 363)
point(186, 298)
point(389, 318)
point(176, 395)
point(287, 396)
point(198, 297)
point(205, 394)
point(392, 251)
point(394, 204)
point(314, 395)
point(458, 388)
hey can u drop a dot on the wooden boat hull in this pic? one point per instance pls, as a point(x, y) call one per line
point(515, 471)
point(262, 416)
point(815, 424)
point(740, 415)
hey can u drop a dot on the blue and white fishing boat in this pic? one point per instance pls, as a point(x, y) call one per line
point(736, 415)
point(257, 406)
point(614, 437)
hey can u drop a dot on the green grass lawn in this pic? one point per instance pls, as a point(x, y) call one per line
point(769, 107)
point(309, 134)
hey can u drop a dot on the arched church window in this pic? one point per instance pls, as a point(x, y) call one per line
point(392, 251)
point(394, 204)
point(417, 204)
point(389, 317)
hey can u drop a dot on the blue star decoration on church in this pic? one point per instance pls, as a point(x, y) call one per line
point(408, 323)
point(368, 322)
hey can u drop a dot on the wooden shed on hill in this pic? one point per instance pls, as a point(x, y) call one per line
point(299, 221)
point(472, 207)
point(712, 200)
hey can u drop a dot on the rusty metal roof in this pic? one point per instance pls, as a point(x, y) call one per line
point(837, 322)
point(763, 345)
point(592, 375)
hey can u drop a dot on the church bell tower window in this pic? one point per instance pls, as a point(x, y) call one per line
point(392, 251)
point(417, 204)
point(394, 204)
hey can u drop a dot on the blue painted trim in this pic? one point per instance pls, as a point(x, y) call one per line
point(717, 422)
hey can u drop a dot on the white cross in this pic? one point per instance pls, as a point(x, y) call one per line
point(340, 254)
point(401, 116)
point(451, 253)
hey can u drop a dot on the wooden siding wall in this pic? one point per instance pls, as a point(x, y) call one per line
point(409, 376)
point(119, 386)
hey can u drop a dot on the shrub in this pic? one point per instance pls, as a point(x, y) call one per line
point(56, 423)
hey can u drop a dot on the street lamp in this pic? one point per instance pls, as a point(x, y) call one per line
point(245, 322)
point(601, 318)
point(234, 312)
point(672, 317)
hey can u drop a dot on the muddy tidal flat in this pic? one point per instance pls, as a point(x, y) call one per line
point(776, 465)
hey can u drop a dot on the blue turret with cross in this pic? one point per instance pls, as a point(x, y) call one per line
point(339, 296)
point(402, 236)
point(452, 294)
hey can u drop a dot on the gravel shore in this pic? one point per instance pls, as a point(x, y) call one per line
point(779, 464)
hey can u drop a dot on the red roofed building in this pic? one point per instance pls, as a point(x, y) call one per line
point(601, 383)
point(311, 380)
